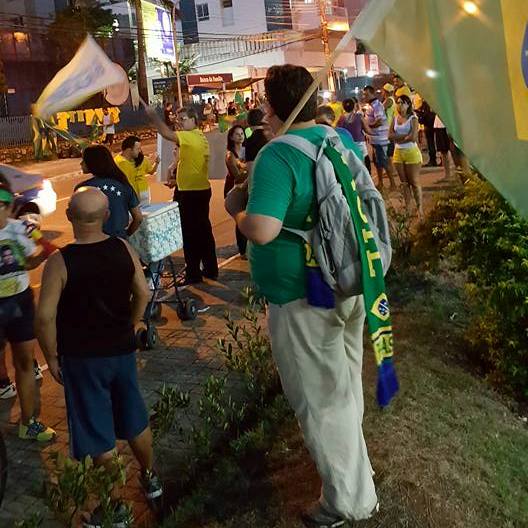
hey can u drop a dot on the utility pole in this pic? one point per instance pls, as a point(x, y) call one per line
point(175, 15)
point(142, 67)
point(326, 41)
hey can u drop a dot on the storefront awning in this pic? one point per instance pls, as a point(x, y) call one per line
point(242, 84)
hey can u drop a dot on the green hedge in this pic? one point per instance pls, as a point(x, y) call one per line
point(485, 238)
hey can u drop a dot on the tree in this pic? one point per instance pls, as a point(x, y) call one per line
point(3, 80)
point(72, 24)
point(187, 65)
point(141, 51)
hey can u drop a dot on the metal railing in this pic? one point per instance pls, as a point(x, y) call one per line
point(15, 131)
point(232, 48)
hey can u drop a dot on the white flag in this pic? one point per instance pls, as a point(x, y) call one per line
point(89, 72)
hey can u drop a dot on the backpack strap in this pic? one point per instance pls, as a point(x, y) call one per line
point(299, 143)
point(311, 151)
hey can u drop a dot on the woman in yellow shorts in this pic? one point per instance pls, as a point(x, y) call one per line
point(407, 155)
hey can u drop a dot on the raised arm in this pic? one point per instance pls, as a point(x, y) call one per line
point(162, 128)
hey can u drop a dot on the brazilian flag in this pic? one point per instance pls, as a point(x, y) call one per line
point(469, 60)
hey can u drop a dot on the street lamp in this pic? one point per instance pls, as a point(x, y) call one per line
point(471, 8)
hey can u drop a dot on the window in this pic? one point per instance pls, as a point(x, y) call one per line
point(202, 11)
point(227, 3)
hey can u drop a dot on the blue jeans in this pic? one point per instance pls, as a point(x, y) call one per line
point(382, 159)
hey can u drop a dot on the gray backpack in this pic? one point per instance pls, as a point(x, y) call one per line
point(333, 238)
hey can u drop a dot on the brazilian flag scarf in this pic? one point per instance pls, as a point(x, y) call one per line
point(376, 301)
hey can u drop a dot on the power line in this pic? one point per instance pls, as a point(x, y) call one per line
point(134, 34)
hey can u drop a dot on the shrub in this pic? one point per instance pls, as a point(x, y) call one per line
point(74, 485)
point(488, 240)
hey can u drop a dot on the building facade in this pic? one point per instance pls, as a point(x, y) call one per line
point(245, 37)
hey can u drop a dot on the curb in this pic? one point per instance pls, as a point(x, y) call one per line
point(66, 176)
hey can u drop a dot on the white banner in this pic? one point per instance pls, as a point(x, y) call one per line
point(89, 72)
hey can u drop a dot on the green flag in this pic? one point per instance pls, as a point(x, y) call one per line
point(469, 60)
point(239, 98)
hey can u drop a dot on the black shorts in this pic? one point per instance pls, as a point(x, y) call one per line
point(17, 317)
point(441, 140)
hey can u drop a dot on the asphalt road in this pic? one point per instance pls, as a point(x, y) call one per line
point(65, 175)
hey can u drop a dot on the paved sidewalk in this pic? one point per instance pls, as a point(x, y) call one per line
point(186, 356)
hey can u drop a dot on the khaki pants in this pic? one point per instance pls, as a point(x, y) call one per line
point(319, 356)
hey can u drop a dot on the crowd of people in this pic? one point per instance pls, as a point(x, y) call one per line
point(269, 190)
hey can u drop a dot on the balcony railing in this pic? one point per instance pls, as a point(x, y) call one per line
point(236, 47)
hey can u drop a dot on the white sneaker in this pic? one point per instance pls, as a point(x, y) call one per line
point(37, 369)
point(8, 391)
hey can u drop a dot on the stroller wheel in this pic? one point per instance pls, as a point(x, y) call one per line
point(141, 338)
point(147, 338)
point(187, 310)
point(152, 337)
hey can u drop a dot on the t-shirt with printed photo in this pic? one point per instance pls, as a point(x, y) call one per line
point(15, 248)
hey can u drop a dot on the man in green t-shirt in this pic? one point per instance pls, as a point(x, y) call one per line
point(318, 351)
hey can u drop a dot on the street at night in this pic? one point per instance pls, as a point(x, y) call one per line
point(263, 264)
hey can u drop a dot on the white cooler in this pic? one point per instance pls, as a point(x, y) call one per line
point(159, 235)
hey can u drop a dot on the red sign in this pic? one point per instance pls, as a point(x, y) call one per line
point(207, 79)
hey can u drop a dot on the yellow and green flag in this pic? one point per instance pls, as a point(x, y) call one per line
point(469, 60)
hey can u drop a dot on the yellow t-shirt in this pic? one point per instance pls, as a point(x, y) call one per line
point(145, 168)
point(90, 117)
point(62, 120)
point(136, 176)
point(114, 112)
point(337, 107)
point(193, 162)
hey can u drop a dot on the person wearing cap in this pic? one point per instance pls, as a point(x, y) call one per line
point(389, 103)
point(18, 254)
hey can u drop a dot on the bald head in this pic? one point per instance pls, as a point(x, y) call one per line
point(88, 205)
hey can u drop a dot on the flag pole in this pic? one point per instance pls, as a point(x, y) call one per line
point(343, 43)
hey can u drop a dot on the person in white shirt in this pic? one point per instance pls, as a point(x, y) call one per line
point(108, 127)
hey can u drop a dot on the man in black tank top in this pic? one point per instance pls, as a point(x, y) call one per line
point(93, 294)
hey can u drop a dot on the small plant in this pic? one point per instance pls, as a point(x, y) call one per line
point(220, 417)
point(247, 351)
point(74, 484)
point(34, 521)
point(164, 411)
point(400, 228)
